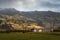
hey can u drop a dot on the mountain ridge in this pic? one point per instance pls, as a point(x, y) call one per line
point(44, 18)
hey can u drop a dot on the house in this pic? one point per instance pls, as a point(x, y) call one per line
point(35, 28)
point(38, 29)
point(48, 30)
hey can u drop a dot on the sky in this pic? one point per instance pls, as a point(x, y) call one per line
point(31, 5)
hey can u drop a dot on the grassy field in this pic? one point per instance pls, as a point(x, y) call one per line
point(30, 36)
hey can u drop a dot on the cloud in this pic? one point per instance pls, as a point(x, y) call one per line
point(53, 5)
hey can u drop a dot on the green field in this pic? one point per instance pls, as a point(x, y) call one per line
point(30, 36)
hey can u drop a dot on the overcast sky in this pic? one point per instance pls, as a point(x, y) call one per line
point(24, 5)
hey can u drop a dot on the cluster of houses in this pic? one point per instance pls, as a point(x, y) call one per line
point(35, 28)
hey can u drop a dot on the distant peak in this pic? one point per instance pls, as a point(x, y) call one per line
point(49, 11)
point(10, 8)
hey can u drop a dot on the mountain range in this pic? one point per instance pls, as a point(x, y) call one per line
point(42, 18)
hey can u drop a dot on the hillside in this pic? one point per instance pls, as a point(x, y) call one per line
point(19, 18)
point(48, 18)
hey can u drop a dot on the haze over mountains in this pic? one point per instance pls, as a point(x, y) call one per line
point(42, 18)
